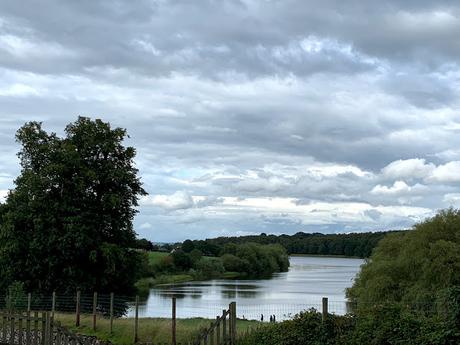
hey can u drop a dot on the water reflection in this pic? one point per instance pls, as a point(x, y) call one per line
point(284, 294)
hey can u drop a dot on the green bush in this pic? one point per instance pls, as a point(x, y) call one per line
point(385, 324)
point(305, 328)
point(16, 298)
point(207, 268)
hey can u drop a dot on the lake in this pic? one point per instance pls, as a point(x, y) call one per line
point(309, 279)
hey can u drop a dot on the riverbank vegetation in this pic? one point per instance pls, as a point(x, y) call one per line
point(232, 261)
point(408, 292)
point(352, 245)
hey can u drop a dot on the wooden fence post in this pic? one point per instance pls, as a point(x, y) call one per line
point(136, 321)
point(53, 304)
point(174, 321)
point(77, 310)
point(224, 326)
point(43, 330)
point(35, 327)
point(218, 330)
point(234, 323)
point(94, 310)
point(20, 331)
point(325, 308)
point(28, 328)
point(29, 302)
point(111, 312)
point(9, 304)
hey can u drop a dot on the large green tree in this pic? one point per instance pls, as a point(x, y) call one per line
point(67, 224)
point(415, 267)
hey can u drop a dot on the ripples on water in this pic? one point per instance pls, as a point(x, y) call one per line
point(284, 294)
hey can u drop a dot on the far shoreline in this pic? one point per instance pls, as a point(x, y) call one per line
point(327, 256)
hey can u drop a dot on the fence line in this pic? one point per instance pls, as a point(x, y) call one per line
point(37, 329)
point(113, 306)
point(218, 335)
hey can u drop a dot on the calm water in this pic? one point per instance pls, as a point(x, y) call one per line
point(308, 280)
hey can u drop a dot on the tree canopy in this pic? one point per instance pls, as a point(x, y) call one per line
point(413, 267)
point(67, 224)
point(354, 244)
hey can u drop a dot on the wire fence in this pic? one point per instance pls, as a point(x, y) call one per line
point(143, 319)
point(119, 306)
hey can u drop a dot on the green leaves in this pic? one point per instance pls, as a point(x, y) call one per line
point(74, 196)
point(412, 267)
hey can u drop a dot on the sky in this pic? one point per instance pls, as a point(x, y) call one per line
point(250, 116)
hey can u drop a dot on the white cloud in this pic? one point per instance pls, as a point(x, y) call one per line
point(145, 226)
point(3, 194)
point(272, 184)
point(177, 201)
point(449, 172)
point(308, 126)
point(449, 155)
point(398, 188)
point(408, 168)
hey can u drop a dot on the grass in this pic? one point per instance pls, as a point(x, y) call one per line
point(145, 284)
point(231, 275)
point(155, 257)
point(155, 330)
point(173, 278)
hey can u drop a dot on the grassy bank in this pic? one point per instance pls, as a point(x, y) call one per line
point(157, 330)
point(155, 257)
point(144, 284)
point(147, 283)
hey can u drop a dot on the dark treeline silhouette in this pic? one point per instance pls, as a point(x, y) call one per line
point(355, 244)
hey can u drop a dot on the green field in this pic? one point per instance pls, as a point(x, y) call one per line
point(155, 257)
point(156, 330)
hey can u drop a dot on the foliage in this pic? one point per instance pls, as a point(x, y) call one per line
point(16, 298)
point(306, 328)
point(232, 263)
point(68, 222)
point(250, 260)
point(408, 293)
point(412, 267)
point(144, 244)
point(262, 260)
point(195, 256)
point(188, 246)
point(182, 260)
point(209, 268)
point(383, 324)
point(354, 244)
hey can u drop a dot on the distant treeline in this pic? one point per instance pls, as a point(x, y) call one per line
point(355, 244)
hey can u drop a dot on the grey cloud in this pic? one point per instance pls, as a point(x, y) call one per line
point(254, 38)
point(239, 98)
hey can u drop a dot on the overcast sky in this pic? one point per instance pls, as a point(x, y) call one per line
point(248, 116)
